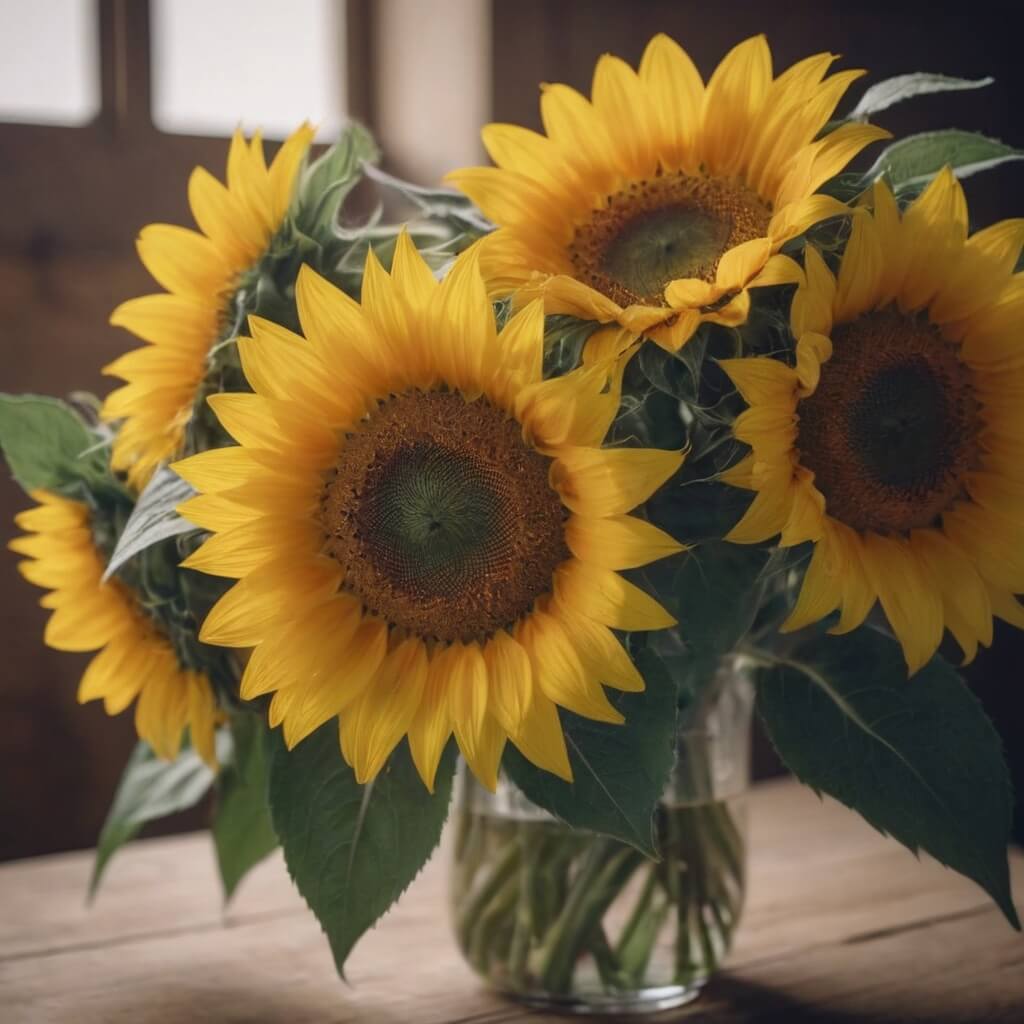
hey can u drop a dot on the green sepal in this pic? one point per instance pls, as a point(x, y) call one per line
point(444, 206)
point(151, 788)
point(352, 850)
point(324, 185)
point(619, 771)
point(243, 833)
point(918, 758)
point(48, 446)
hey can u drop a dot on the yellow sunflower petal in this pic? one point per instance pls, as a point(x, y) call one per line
point(622, 103)
point(618, 542)
point(202, 709)
point(820, 593)
point(935, 229)
point(219, 469)
point(966, 605)
point(525, 152)
point(285, 167)
point(511, 681)
point(860, 271)
point(521, 349)
point(766, 515)
point(600, 482)
point(338, 333)
point(178, 322)
point(183, 261)
point(352, 665)
point(677, 93)
point(239, 551)
point(540, 738)
point(606, 597)
point(741, 264)
point(795, 218)
point(382, 715)
point(812, 351)
point(414, 280)
point(243, 615)
point(761, 380)
point(162, 709)
point(559, 672)
point(467, 696)
point(858, 596)
point(485, 759)
point(909, 596)
point(732, 101)
point(432, 724)
point(806, 519)
point(604, 658)
point(466, 340)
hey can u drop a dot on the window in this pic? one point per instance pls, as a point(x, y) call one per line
point(261, 63)
point(50, 71)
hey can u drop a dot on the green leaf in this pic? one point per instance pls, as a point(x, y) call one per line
point(151, 788)
point(619, 771)
point(698, 509)
point(915, 160)
point(917, 758)
point(47, 445)
point(891, 91)
point(714, 592)
point(153, 519)
point(352, 850)
point(243, 833)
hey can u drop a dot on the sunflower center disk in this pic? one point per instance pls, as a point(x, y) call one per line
point(892, 429)
point(443, 518)
point(662, 229)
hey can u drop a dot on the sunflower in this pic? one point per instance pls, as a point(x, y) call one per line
point(425, 532)
point(894, 444)
point(657, 204)
point(136, 658)
point(201, 271)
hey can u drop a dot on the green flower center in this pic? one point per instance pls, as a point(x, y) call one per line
point(443, 517)
point(892, 429)
point(663, 229)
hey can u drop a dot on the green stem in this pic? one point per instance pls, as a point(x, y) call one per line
point(529, 854)
point(640, 934)
point(607, 867)
point(639, 916)
point(473, 909)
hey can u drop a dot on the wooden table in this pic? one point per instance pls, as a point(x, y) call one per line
point(842, 926)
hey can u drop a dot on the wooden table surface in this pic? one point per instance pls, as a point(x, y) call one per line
point(841, 926)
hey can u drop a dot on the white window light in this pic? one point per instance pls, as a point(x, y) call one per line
point(259, 63)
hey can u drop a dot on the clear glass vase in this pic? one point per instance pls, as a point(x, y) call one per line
point(570, 920)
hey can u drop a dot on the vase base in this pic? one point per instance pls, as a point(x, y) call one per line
point(642, 1001)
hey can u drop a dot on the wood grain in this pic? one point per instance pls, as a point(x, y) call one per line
point(842, 925)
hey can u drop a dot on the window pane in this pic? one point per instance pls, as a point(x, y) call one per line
point(262, 63)
point(50, 69)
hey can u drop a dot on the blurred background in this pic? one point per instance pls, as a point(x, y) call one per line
point(106, 105)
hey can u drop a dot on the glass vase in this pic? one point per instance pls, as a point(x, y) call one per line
point(570, 920)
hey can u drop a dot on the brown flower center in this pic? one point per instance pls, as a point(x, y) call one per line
point(892, 429)
point(442, 517)
point(662, 229)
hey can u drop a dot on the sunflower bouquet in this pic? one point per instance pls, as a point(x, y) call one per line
point(518, 476)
